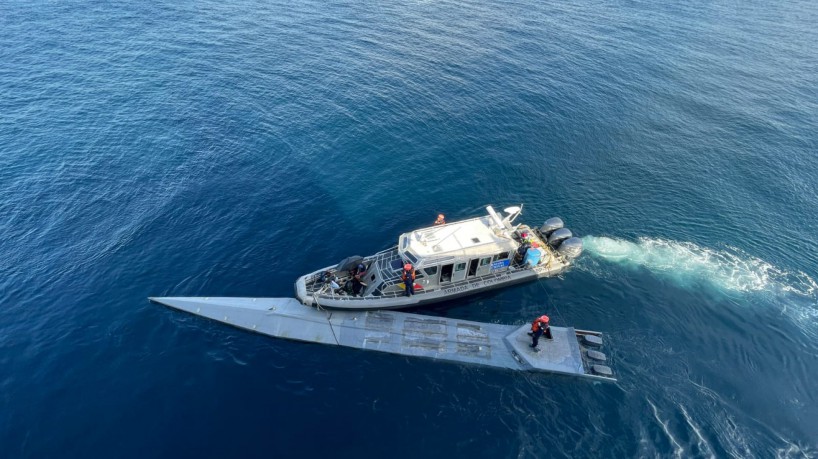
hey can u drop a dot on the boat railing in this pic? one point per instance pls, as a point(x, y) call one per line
point(381, 265)
point(386, 251)
point(382, 262)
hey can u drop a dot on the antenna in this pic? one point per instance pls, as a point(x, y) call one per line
point(497, 220)
point(513, 212)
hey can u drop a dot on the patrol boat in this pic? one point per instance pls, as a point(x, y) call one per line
point(569, 352)
point(449, 261)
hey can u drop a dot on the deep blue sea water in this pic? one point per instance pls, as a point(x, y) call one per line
point(225, 148)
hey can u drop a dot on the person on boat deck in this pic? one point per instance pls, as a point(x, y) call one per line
point(360, 270)
point(357, 285)
point(409, 279)
point(538, 328)
point(325, 276)
point(521, 250)
point(441, 219)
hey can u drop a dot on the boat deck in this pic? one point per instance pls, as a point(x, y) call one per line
point(440, 338)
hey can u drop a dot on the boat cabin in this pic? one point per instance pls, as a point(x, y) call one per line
point(450, 260)
point(460, 250)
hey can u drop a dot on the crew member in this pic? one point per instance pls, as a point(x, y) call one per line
point(441, 219)
point(409, 279)
point(521, 251)
point(538, 328)
point(357, 285)
point(325, 276)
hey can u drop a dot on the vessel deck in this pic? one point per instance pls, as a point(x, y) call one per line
point(441, 338)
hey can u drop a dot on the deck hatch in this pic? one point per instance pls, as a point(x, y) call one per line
point(380, 321)
point(377, 338)
point(423, 343)
point(474, 350)
point(468, 333)
point(425, 326)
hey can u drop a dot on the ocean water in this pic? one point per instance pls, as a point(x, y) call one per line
point(225, 148)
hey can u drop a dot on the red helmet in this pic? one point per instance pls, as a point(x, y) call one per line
point(544, 318)
point(407, 267)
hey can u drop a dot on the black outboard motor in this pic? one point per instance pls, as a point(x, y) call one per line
point(558, 236)
point(551, 225)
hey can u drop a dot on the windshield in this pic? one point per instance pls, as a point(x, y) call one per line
point(411, 257)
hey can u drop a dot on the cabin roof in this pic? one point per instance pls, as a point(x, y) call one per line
point(475, 237)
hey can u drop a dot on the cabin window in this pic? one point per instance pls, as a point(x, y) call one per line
point(446, 273)
point(460, 267)
point(411, 256)
point(430, 271)
point(473, 267)
point(485, 261)
point(500, 256)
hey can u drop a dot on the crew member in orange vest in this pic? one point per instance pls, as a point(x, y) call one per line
point(538, 328)
point(409, 279)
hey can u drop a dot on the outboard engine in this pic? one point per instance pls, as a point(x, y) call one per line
point(571, 247)
point(551, 225)
point(558, 236)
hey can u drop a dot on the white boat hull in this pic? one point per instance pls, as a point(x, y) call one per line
point(421, 297)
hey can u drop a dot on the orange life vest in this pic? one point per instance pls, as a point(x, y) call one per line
point(540, 323)
point(406, 274)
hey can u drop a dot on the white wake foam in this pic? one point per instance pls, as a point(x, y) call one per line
point(685, 263)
